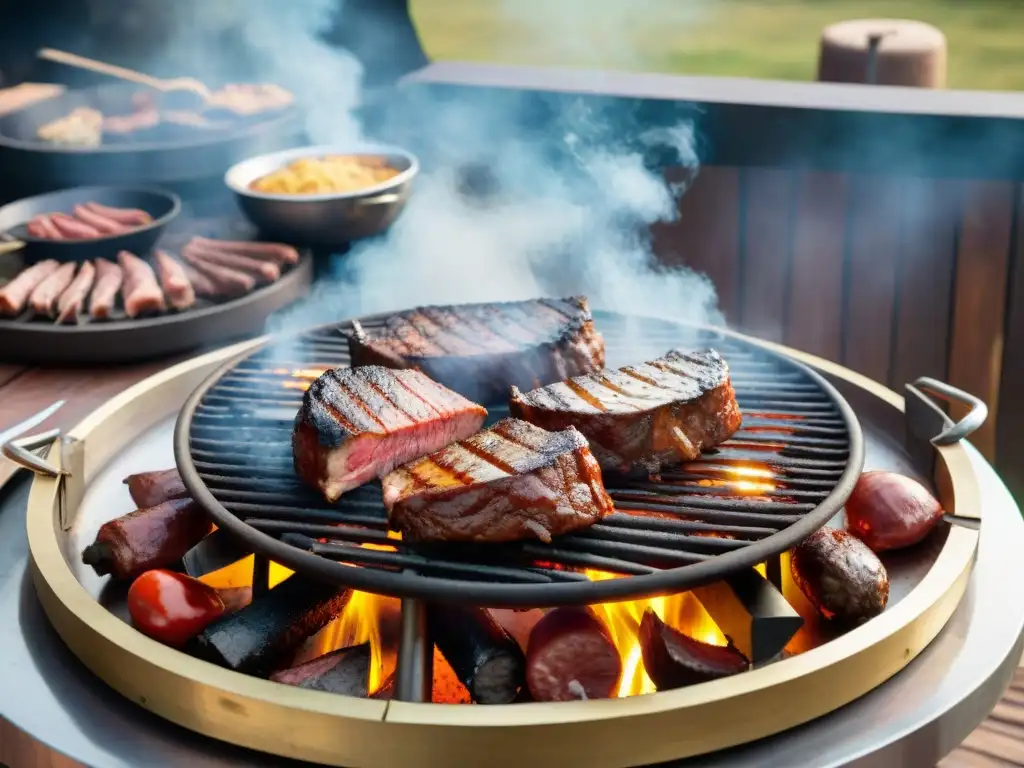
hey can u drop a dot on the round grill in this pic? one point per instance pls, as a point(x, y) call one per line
point(788, 470)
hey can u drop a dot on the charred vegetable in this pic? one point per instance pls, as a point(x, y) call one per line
point(345, 671)
point(172, 607)
point(148, 538)
point(485, 657)
point(890, 511)
point(841, 577)
point(148, 489)
point(259, 636)
point(674, 660)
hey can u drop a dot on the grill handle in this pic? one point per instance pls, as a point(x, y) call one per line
point(927, 424)
point(20, 452)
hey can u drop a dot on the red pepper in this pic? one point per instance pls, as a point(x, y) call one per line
point(171, 607)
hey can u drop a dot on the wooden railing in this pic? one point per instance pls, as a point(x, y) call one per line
point(876, 227)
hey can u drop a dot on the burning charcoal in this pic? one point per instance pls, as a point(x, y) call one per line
point(257, 637)
point(345, 671)
point(644, 416)
point(386, 692)
point(153, 537)
point(571, 656)
point(840, 576)
point(148, 489)
point(479, 350)
point(674, 660)
point(487, 660)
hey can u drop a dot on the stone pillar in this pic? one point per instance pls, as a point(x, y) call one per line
point(883, 52)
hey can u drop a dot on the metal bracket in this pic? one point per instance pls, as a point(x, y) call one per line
point(20, 451)
point(928, 426)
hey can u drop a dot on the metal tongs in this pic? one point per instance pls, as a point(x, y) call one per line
point(19, 449)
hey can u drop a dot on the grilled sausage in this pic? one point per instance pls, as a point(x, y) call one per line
point(571, 656)
point(486, 659)
point(152, 537)
point(840, 576)
point(228, 282)
point(149, 489)
point(109, 277)
point(14, 295)
point(103, 224)
point(73, 299)
point(141, 293)
point(43, 228)
point(279, 252)
point(890, 511)
point(201, 284)
point(673, 660)
point(44, 296)
point(72, 229)
point(174, 282)
point(267, 271)
point(132, 217)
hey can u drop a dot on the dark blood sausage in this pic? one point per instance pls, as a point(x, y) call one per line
point(153, 537)
point(279, 252)
point(141, 292)
point(509, 482)
point(840, 576)
point(72, 229)
point(148, 489)
point(644, 416)
point(266, 271)
point(673, 660)
point(131, 217)
point(257, 638)
point(228, 282)
point(109, 277)
point(44, 297)
point(571, 656)
point(174, 282)
point(15, 294)
point(345, 671)
point(479, 350)
point(890, 511)
point(103, 224)
point(42, 227)
point(356, 424)
point(73, 299)
point(485, 657)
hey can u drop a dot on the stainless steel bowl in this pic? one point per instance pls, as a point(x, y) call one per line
point(330, 219)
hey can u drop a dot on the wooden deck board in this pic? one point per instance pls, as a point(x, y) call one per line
point(999, 741)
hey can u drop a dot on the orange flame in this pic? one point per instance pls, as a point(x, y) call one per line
point(302, 377)
point(683, 612)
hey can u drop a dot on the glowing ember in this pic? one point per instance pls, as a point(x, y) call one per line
point(683, 611)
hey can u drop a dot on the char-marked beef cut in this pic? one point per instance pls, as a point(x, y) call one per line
point(642, 417)
point(356, 424)
point(511, 481)
point(480, 350)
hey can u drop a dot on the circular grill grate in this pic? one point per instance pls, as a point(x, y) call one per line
point(783, 475)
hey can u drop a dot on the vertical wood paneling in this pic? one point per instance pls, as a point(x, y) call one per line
point(924, 290)
point(976, 343)
point(707, 235)
point(768, 246)
point(874, 249)
point(1010, 428)
point(814, 322)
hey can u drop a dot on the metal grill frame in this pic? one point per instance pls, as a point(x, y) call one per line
point(407, 583)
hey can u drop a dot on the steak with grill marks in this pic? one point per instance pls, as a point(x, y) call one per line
point(642, 416)
point(512, 481)
point(356, 424)
point(482, 349)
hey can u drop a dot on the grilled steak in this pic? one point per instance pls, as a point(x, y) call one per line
point(480, 349)
point(356, 424)
point(512, 481)
point(642, 416)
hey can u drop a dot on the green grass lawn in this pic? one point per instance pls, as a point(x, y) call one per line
point(775, 39)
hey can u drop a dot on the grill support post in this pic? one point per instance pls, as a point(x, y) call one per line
point(414, 676)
